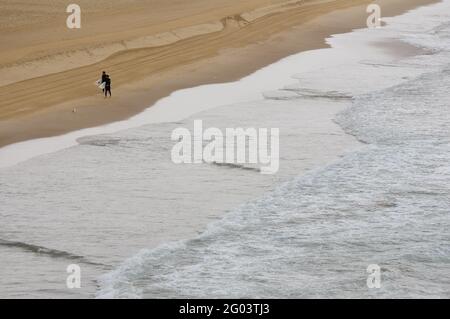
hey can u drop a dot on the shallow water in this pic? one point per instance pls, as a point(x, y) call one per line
point(315, 236)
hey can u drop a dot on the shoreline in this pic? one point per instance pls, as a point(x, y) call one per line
point(49, 118)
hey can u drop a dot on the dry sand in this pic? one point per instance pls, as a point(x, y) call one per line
point(150, 48)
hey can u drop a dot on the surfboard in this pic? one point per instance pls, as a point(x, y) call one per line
point(100, 85)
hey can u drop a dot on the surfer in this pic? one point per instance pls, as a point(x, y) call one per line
point(107, 86)
point(103, 80)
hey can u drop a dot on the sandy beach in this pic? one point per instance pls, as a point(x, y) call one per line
point(150, 50)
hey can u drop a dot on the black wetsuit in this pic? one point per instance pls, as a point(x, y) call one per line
point(103, 79)
point(107, 86)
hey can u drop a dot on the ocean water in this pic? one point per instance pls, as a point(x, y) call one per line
point(364, 179)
